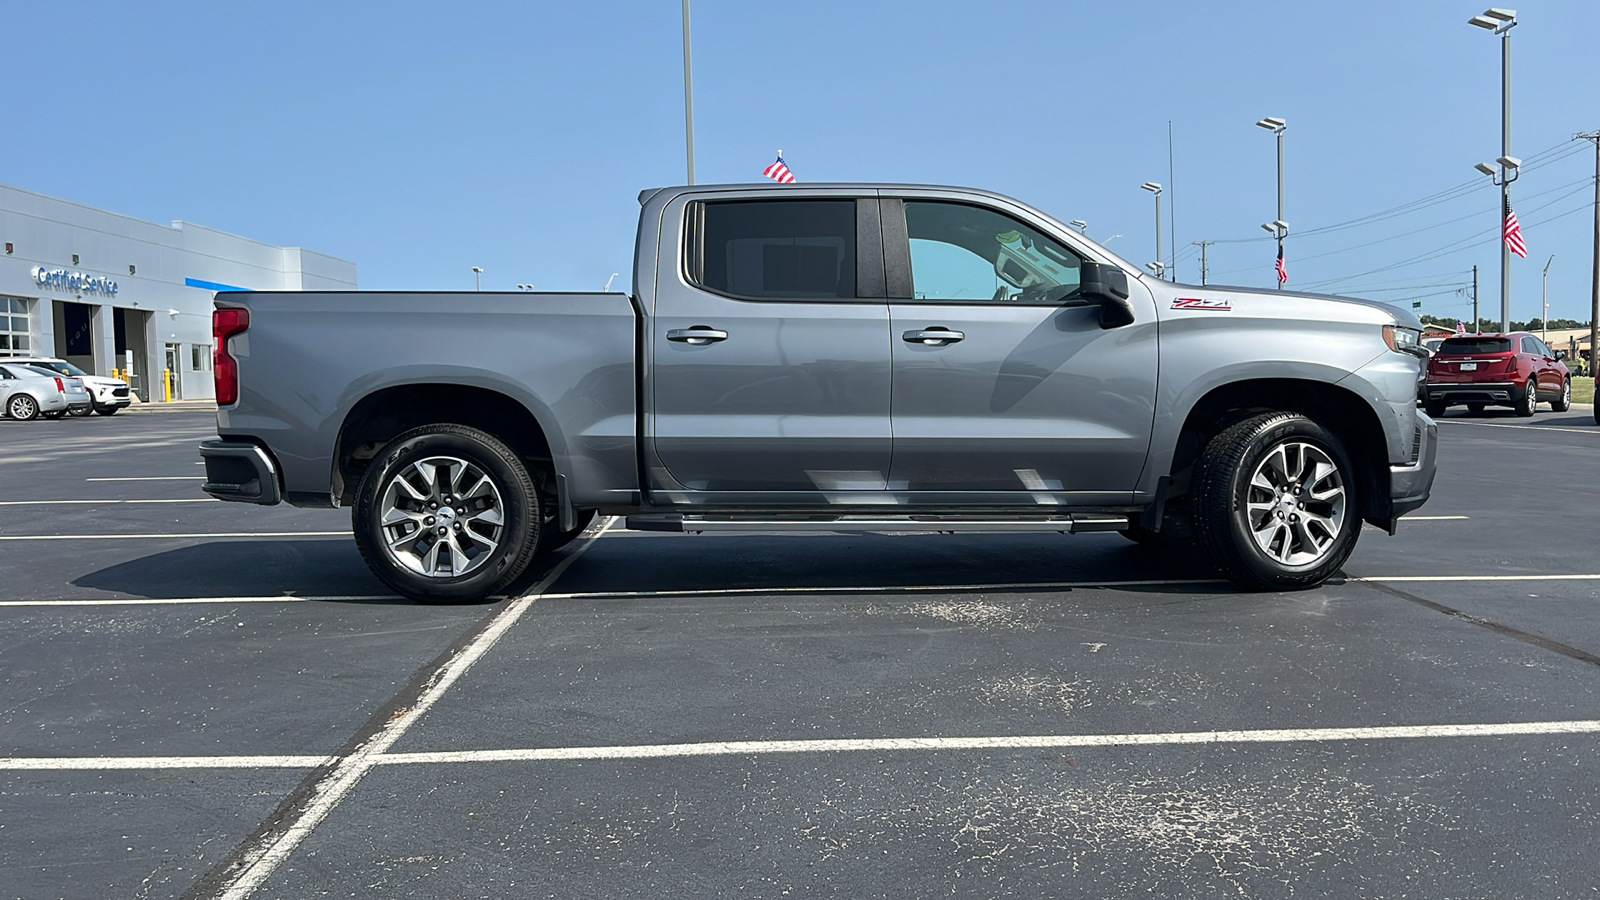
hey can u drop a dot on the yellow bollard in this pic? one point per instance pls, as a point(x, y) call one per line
point(166, 385)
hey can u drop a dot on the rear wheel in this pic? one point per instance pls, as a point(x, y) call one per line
point(82, 410)
point(22, 407)
point(1274, 503)
point(1564, 402)
point(1476, 408)
point(1528, 400)
point(1434, 408)
point(446, 514)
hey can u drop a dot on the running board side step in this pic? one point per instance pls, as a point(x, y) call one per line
point(1065, 524)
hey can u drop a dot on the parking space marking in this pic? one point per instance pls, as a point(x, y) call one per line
point(89, 502)
point(1525, 427)
point(155, 601)
point(376, 756)
point(106, 763)
point(1431, 518)
point(163, 537)
point(256, 863)
point(1390, 578)
point(151, 478)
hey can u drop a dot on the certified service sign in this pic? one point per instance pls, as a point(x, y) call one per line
point(75, 282)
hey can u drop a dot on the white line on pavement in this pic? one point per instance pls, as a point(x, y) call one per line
point(89, 502)
point(163, 537)
point(376, 757)
point(1477, 578)
point(1431, 518)
point(350, 770)
point(178, 601)
point(92, 763)
point(152, 478)
point(1526, 427)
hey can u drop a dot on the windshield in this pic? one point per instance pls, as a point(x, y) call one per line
point(1467, 346)
point(61, 367)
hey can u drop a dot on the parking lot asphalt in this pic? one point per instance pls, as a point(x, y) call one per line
point(217, 700)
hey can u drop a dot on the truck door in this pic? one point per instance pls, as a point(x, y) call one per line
point(769, 353)
point(1006, 389)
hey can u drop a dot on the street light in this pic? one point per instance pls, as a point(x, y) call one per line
point(607, 288)
point(1081, 225)
point(1277, 126)
point(477, 278)
point(1157, 267)
point(1544, 298)
point(1501, 21)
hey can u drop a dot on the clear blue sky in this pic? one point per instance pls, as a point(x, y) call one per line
point(420, 139)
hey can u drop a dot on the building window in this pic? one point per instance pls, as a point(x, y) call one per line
point(200, 357)
point(14, 326)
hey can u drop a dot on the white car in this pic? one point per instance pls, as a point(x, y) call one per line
point(106, 395)
point(26, 393)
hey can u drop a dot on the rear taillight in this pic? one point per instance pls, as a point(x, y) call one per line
point(61, 386)
point(225, 323)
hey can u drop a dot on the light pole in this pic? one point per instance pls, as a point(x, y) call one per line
point(1501, 21)
point(1157, 267)
point(1544, 299)
point(688, 95)
point(1081, 225)
point(1277, 126)
point(477, 278)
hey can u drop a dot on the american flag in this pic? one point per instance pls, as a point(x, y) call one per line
point(1283, 272)
point(780, 173)
point(1460, 328)
point(1513, 233)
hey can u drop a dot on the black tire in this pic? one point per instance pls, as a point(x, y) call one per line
point(1434, 408)
point(54, 414)
point(1527, 400)
point(1222, 490)
point(81, 411)
point(508, 479)
point(22, 407)
point(107, 410)
point(551, 538)
point(1476, 408)
point(1563, 402)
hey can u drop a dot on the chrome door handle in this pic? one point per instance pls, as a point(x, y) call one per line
point(697, 334)
point(934, 337)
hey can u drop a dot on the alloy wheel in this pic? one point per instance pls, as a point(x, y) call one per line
point(441, 516)
point(1296, 504)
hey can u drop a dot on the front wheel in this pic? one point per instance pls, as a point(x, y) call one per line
point(446, 514)
point(107, 410)
point(1564, 402)
point(1275, 504)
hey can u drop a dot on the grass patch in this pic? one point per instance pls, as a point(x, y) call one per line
point(1582, 390)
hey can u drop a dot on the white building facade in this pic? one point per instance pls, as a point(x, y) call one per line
point(116, 295)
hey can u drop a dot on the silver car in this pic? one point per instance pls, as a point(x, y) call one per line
point(26, 393)
point(79, 402)
point(106, 395)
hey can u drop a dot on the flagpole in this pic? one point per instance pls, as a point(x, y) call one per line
point(688, 95)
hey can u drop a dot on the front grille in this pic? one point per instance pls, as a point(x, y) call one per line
point(119, 392)
point(1416, 444)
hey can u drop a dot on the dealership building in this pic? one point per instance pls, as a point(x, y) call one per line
point(116, 295)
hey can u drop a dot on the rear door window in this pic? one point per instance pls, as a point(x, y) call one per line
point(1473, 346)
point(775, 249)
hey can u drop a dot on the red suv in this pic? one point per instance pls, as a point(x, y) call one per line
point(1478, 370)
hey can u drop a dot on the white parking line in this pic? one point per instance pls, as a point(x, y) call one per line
point(92, 502)
point(1431, 518)
point(152, 478)
point(1387, 578)
point(350, 770)
point(178, 601)
point(163, 537)
point(376, 757)
point(1592, 431)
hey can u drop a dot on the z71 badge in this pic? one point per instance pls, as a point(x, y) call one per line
point(1201, 303)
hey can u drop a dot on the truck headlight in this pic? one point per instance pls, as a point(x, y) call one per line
point(1403, 340)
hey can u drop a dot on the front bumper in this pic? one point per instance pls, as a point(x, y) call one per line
point(1410, 483)
point(1473, 392)
point(241, 472)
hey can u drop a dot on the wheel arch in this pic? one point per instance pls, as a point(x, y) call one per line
point(1340, 410)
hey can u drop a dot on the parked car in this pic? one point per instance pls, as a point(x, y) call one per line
point(1481, 370)
point(854, 358)
point(106, 395)
point(26, 393)
point(78, 402)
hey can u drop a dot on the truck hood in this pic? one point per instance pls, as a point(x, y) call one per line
point(1167, 291)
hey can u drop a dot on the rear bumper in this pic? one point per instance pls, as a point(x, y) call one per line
point(241, 472)
point(1473, 392)
point(1410, 485)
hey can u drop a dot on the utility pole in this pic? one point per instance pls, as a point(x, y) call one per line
point(1594, 285)
point(1475, 329)
point(688, 95)
point(1202, 245)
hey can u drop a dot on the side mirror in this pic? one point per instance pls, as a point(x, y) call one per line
point(1561, 354)
point(1106, 286)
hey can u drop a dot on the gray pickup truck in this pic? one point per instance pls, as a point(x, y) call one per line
point(837, 358)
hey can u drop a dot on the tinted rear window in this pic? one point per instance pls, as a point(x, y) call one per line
point(1473, 345)
point(778, 249)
